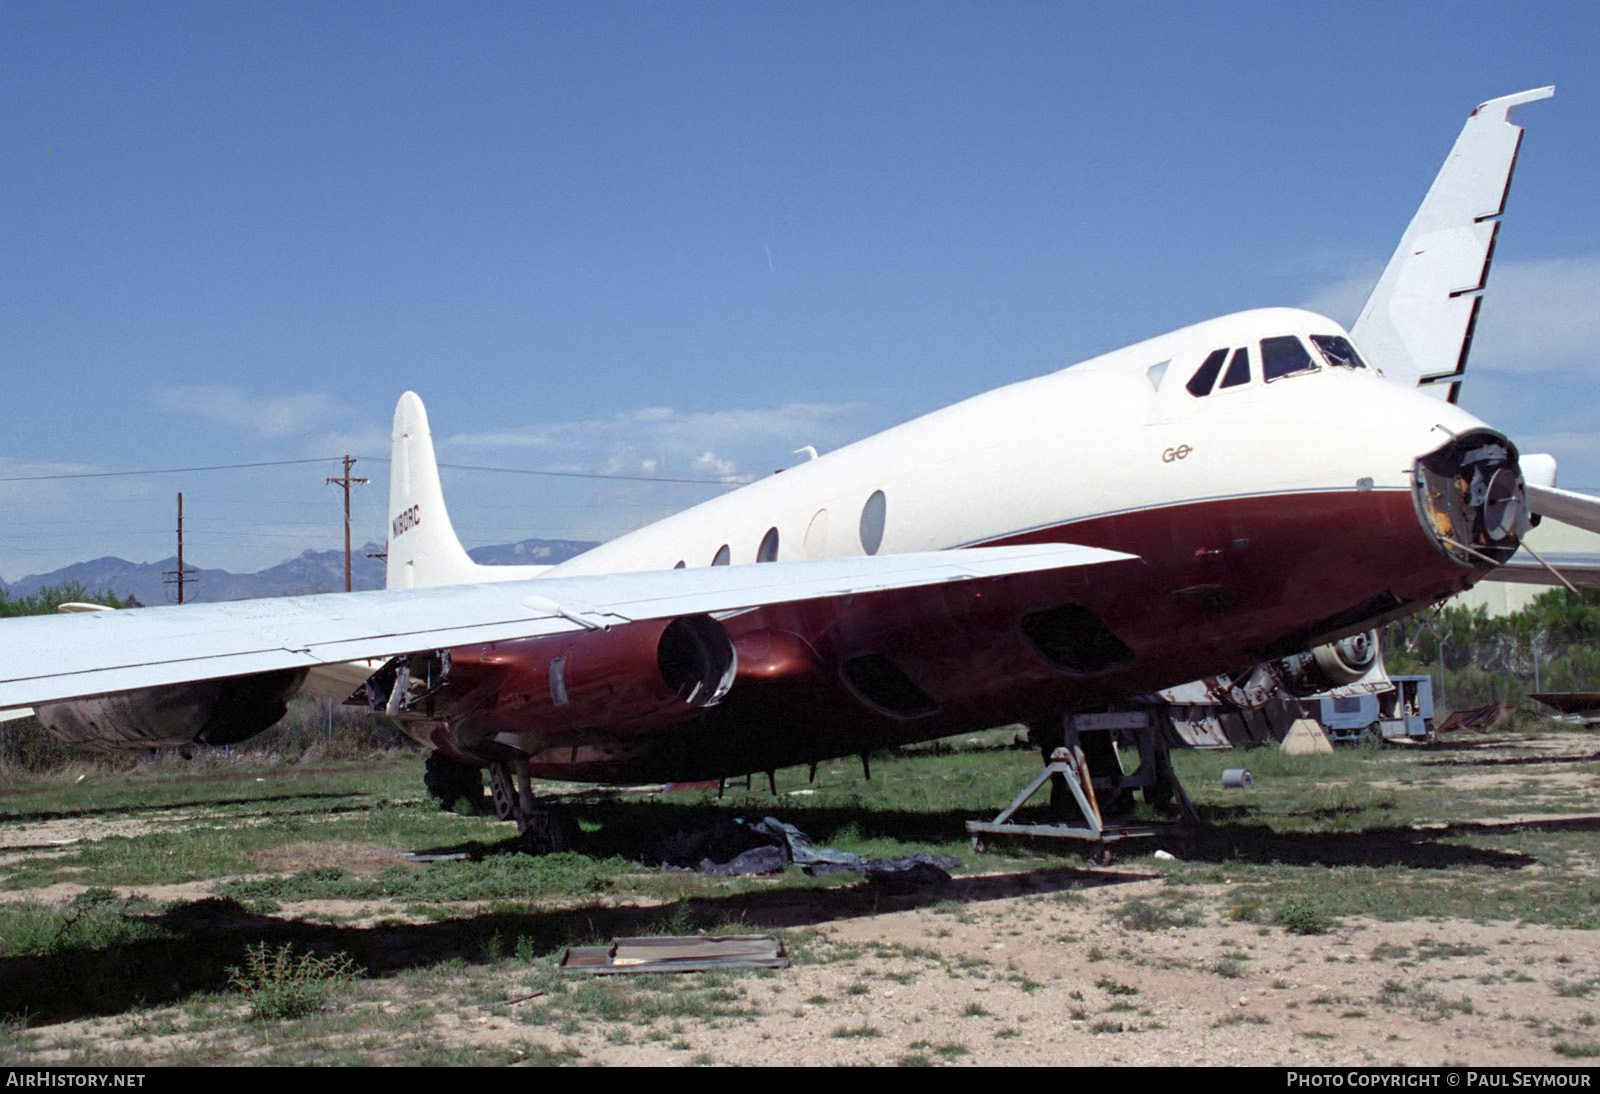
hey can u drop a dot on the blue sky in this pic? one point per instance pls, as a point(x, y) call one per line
point(682, 240)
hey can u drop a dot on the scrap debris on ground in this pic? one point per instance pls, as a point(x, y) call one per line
point(742, 847)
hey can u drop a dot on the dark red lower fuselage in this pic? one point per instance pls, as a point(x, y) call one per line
point(1218, 586)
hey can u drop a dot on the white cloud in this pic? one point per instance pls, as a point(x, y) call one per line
point(1541, 316)
point(725, 445)
point(266, 416)
point(358, 439)
point(710, 465)
point(780, 423)
point(1341, 298)
point(1537, 315)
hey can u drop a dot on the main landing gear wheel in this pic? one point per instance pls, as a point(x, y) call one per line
point(503, 791)
point(449, 781)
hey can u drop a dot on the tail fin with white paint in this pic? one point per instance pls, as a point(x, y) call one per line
point(423, 547)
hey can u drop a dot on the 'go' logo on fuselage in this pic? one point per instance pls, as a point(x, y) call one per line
point(1173, 455)
point(406, 521)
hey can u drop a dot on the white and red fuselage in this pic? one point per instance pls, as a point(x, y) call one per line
point(1268, 515)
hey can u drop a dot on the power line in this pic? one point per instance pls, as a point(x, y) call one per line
point(163, 470)
point(374, 459)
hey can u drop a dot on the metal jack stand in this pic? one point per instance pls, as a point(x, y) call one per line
point(1068, 769)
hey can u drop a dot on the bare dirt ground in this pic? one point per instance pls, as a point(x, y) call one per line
point(1030, 967)
point(1039, 977)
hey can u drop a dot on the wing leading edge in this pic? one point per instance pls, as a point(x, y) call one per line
point(45, 659)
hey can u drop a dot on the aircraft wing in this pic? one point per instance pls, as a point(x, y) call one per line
point(1567, 506)
point(46, 659)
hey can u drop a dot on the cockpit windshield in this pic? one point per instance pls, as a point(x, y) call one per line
point(1338, 351)
point(1239, 370)
point(1206, 375)
point(1285, 356)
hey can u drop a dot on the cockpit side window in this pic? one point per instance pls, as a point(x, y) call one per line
point(1206, 375)
point(1337, 351)
point(1238, 369)
point(1285, 356)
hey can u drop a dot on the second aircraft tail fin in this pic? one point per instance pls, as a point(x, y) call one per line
point(423, 548)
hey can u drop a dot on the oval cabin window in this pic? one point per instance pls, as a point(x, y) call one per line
point(872, 515)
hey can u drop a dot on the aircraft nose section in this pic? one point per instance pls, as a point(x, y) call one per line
point(1470, 498)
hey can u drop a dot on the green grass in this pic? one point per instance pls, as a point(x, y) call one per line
point(1144, 915)
point(1303, 915)
point(278, 985)
point(1319, 842)
point(1573, 989)
point(1587, 1050)
point(1230, 966)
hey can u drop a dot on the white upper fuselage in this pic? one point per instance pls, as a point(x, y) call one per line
point(1113, 434)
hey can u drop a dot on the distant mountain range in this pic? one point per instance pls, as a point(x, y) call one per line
point(311, 572)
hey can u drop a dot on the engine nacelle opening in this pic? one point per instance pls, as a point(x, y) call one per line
point(548, 691)
point(208, 712)
point(697, 660)
point(1333, 665)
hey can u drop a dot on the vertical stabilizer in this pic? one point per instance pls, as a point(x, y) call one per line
point(1417, 325)
point(423, 548)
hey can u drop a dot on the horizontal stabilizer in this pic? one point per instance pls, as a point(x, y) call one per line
point(1417, 325)
point(52, 658)
point(1566, 506)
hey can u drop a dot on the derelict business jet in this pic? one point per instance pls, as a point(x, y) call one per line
point(1242, 492)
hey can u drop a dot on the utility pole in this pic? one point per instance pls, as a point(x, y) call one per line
point(346, 482)
point(181, 575)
